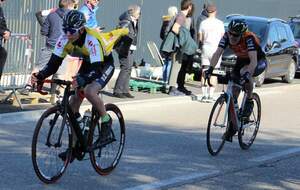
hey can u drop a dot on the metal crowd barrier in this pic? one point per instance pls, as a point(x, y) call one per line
point(19, 64)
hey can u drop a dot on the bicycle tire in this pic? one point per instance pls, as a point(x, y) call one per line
point(210, 139)
point(51, 173)
point(244, 142)
point(97, 155)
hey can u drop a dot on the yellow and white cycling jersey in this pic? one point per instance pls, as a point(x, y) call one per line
point(96, 45)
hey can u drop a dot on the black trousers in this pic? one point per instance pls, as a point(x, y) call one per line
point(3, 56)
point(186, 61)
point(122, 83)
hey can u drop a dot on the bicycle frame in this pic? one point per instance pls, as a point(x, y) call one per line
point(66, 110)
point(231, 110)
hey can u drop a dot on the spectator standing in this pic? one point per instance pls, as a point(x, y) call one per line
point(42, 14)
point(89, 9)
point(166, 27)
point(52, 29)
point(4, 36)
point(187, 9)
point(211, 31)
point(128, 19)
point(203, 15)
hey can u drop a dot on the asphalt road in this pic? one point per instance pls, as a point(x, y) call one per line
point(166, 148)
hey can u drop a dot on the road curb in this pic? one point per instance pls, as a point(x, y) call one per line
point(29, 116)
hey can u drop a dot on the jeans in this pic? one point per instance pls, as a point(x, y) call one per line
point(167, 69)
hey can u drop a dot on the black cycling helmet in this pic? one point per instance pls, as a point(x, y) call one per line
point(74, 19)
point(237, 26)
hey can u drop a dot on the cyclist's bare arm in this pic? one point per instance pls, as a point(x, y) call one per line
point(216, 56)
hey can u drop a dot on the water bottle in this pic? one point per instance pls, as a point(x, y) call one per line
point(86, 122)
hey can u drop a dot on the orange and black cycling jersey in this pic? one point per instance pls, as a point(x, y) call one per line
point(248, 42)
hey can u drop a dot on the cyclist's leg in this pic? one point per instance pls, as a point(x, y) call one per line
point(236, 77)
point(248, 107)
point(235, 92)
point(91, 93)
point(248, 85)
point(75, 102)
point(76, 99)
point(91, 90)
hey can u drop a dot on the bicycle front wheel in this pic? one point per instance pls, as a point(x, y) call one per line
point(217, 125)
point(249, 127)
point(105, 156)
point(52, 136)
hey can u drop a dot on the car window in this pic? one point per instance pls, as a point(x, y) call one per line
point(273, 35)
point(282, 34)
point(296, 30)
point(258, 28)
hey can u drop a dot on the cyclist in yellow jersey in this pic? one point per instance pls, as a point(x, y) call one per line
point(97, 67)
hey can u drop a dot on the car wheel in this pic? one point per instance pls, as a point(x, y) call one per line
point(259, 80)
point(289, 77)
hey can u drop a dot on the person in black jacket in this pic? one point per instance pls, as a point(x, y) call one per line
point(128, 19)
point(4, 35)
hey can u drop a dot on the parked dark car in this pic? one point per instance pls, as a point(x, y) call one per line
point(295, 26)
point(278, 43)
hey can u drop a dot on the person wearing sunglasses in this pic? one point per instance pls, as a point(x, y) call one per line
point(250, 61)
point(4, 36)
point(96, 69)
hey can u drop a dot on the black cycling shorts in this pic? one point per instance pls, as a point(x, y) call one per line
point(240, 63)
point(107, 70)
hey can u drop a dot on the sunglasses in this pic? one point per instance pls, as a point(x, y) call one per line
point(71, 30)
point(234, 35)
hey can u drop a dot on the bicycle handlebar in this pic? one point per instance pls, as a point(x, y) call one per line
point(55, 81)
point(58, 81)
point(216, 73)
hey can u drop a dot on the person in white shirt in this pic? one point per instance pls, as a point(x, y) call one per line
point(210, 33)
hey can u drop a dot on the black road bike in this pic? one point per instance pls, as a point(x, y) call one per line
point(58, 132)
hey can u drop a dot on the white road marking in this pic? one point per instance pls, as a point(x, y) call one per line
point(174, 180)
point(275, 155)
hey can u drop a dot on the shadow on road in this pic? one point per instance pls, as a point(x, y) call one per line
point(152, 153)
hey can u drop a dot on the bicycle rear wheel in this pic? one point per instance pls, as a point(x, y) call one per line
point(248, 131)
point(217, 126)
point(105, 156)
point(52, 136)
